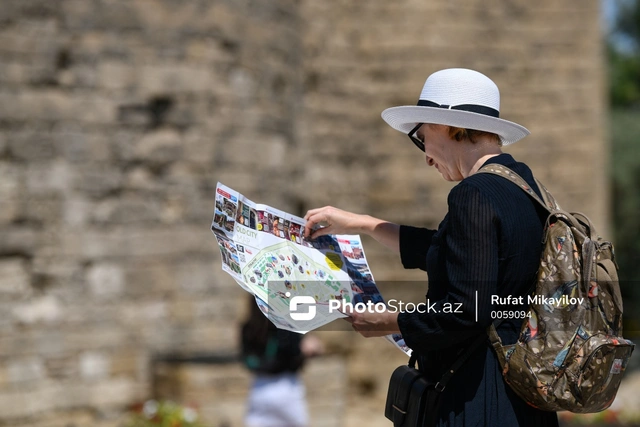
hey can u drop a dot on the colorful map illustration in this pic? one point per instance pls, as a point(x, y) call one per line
point(265, 251)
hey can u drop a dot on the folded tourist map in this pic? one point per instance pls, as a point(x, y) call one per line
point(299, 284)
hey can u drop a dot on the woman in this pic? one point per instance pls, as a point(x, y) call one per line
point(275, 357)
point(489, 243)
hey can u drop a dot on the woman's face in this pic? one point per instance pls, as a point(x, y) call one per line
point(441, 151)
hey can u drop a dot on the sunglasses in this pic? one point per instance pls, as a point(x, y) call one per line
point(414, 138)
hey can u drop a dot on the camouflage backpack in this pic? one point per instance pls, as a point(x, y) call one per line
point(570, 354)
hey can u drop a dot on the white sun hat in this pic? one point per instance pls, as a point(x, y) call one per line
point(457, 97)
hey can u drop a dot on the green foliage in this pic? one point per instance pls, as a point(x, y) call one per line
point(163, 414)
point(625, 157)
point(628, 21)
point(624, 77)
point(624, 85)
point(623, 48)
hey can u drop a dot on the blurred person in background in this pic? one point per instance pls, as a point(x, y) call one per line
point(489, 242)
point(275, 357)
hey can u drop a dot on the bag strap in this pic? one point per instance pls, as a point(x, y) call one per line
point(446, 377)
point(496, 343)
point(442, 384)
point(547, 201)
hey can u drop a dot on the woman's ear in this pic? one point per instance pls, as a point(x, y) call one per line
point(457, 134)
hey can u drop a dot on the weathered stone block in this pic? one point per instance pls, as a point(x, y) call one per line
point(77, 211)
point(77, 145)
point(139, 315)
point(15, 278)
point(53, 105)
point(94, 365)
point(30, 37)
point(127, 210)
point(4, 379)
point(116, 392)
point(11, 179)
point(48, 177)
point(83, 76)
point(14, 404)
point(142, 179)
point(196, 276)
point(106, 280)
point(97, 180)
point(50, 340)
point(30, 145)
point(115, 76)
point(101, 15)
point(30, 8)
point(11, 211)
point(27, 371)
point(159, 148)
point(44, 309)
point(153, 277)
point(61, 366)
point(132, 363)
point(42, 209)
point(135, 242)
point(19, 240)
point(219, 308)
point(173, 78)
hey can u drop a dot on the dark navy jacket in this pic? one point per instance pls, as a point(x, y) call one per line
point(489, 243)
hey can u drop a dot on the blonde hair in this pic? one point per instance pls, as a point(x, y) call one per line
point(460, 134)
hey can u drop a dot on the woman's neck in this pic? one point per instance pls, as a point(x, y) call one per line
point(481, 161)
point(476, 156)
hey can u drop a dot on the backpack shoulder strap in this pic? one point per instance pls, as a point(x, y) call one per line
point(547, 201)
point(547, 198)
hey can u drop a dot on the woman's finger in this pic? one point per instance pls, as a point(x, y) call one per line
point(312, 218)
point(315, 211)
point(322, 231)
point(318, 224)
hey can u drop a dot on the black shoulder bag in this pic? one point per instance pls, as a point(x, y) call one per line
point(413, 400)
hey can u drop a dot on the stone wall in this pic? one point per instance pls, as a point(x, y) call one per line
point(545, 58)
point(118, 117)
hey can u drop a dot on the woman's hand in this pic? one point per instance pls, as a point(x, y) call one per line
point(330, 220)
point(372, 324)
